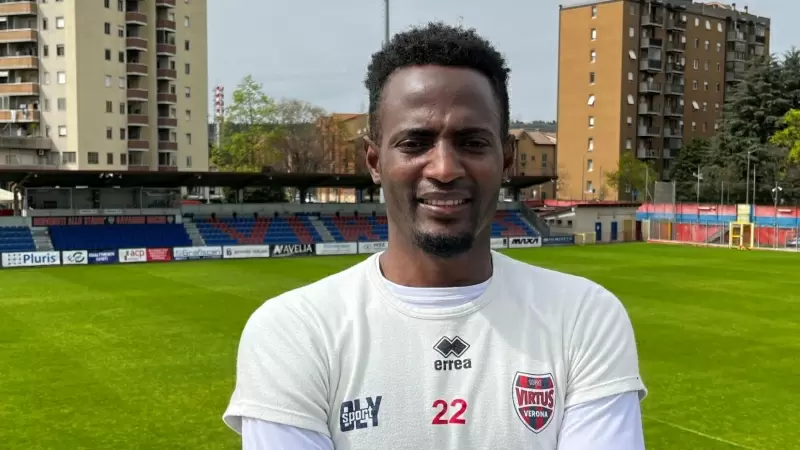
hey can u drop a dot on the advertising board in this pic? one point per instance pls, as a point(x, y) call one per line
point(372, 247)
point(558, 240)
point(101, 220)
point(31, 259)
point(159, 255)
point(103, 257)
point(74, 257)
point(498, 243)
point(337, 248)
point(525, 242)
point(196, 253)
point(132, 255)
point(245, 251)
point(282, 250)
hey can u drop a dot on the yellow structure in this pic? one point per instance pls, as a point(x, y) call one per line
point(741, 235)
point(104, 85)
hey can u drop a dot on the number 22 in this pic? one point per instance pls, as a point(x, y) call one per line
point(455, 419)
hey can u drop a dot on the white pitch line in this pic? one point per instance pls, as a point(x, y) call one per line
point(699, 433)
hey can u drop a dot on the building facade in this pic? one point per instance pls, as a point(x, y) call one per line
point(644, 76)
point(535, 154)
point(106, 85)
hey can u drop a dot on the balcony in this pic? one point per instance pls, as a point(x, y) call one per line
point(652, 42)
point(136, 69)
point(650, 87)
point(25, 143)
point(18, 62)
point(673, 132)
point(730, 77)
point(138, 144)
point(168, 122)
point(677, 47)
point(674, 89)
point(136, 43)
point(167, 145)
point(137, 94)
point(19, 89)
point(19, 8)
point(675, 68)
point(676, 24)
point(673, 111)
point(138, 167)
point(646, 153)
point(672, 145)
point(645, 131)
point(138, 119)
point(653, 21)
point(650, 65)
point(166, 97)
point(18, 116)
point(164, 168)
point(735, 36)
point(163, 24)
point(649, 110)
point(736, 56)
point(165, 49)
point(20, 35)
point(166, 74)
point(135, 18)
point(165, 3)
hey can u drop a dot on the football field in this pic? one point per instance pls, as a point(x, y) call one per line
point(142, 356)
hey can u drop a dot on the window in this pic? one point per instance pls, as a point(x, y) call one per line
point(94, 158)
point(68, 158)
point(60, 50)
point(707, 45)
point(123, 159)
point(108, 80)
point(705, 65)
point(186, 21)
point(589, 165)
point(696, 64)
point(188, 162)
point(109, 158)
point(719, 47)
point(630, 99)
point(589, 187)
point(186, 45)
point(694, 85)
point(705, 126)
point(107, 28)
point(120, 5)
point(696, 43)
point(695, 105)
point(121, 57)
point(60, 23)
point(44, 24)
point(189, 138)
point(47, 104)
point(705, 86)
point(594, 12)
point(591, 100)
point(188, 114)
point(122, 133)
point(187, 68)
point(632, 55)
point(708, 24)
point(47, 78)
point(61, 77)
point(109, 107)
point(629, 120)
point(107, 3)
point(631, 32)
point(188, 92)
point(719, 87)
point(591, 144)
point(108, 55)
point(62, 130)
point(705, 106)
point(719, 27)
point(591, 121)
point(694, 126)
point(591, 77)
point(61, 104)
point(716, 107)
point(122, 108)
point(109, 133)
point(45, 50)
point(592, 56)
point(628, 144)
point(122, 82)
point(630, 77)
point(632, 10)
point(697, 21)
point(121, 31)
point(719, 67)
point(593, 35)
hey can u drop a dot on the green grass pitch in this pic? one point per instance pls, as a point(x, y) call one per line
point(142, 356)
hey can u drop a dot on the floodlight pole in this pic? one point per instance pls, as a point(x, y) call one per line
point(385, 22)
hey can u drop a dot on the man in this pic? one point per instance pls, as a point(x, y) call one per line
point(438, 342)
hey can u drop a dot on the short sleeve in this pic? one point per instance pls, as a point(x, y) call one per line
point(602, 355)
point(281, 369)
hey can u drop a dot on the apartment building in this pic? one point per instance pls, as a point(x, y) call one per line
point(535, 155)
point(644, 76)
point(104, 85)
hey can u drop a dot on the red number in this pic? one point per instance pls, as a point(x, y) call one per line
point(455, 419)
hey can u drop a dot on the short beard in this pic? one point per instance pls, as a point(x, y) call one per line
point(444, 246)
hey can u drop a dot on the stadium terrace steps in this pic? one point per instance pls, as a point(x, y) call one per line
point(104, 237)
point(16, 239)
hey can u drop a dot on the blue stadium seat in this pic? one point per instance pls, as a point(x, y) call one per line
point(16, 239)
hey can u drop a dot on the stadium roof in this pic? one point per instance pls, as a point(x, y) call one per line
point(236, 180)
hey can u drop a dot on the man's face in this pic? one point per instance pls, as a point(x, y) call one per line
point(441, 156)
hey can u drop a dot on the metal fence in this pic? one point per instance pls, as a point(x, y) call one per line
point(718, 234)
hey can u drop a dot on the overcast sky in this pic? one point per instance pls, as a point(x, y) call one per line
point(318, 50)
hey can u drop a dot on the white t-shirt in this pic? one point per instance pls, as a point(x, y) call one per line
point(348, 359)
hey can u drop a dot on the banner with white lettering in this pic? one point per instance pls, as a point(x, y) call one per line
point(558, 240)
point(498, 243)
point(75, 257)
point(282, 250)
point(337, 248)
point(31, 259)
point(132, 255)
point(195, 253)
point(245, 251)
point(372, 247)
point(525, 242)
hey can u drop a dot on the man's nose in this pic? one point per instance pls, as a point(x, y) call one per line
point(444, 164)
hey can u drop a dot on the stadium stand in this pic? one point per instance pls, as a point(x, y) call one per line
point(16, 239)
point(511, 223)
point(102, 237)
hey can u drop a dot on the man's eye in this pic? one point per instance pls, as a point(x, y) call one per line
point(476, 144)
point(409, 144)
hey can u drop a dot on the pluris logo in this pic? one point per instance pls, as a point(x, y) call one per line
point(534, 399)
point(452, 350)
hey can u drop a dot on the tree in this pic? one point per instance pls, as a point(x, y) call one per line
point(631, 174)
point(692, 157)
point(789, 136)
point(562, 183)
point(305, 136)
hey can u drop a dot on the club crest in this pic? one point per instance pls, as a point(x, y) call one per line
point(534, 398)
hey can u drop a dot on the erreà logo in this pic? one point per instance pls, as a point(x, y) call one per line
point(289, 250)
point(455, 348)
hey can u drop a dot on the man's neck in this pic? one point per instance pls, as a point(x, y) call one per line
point(407, 265)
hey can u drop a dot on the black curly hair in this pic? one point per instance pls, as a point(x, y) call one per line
point(437, 44)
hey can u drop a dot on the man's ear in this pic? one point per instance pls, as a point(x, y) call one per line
point(509, 150)
point(372, 155)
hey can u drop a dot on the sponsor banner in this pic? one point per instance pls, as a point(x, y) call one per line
point(75, 257)
point(292, 250)
point(372, 247)
point(246, 251)
point(558, 240)
point(132, 255)
point(159, 255)
point(101, 220)
point(525, 242)
point(195, 253)
point(337, 248)
point(31, 259)
point(103, 257)
point(499, 243)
